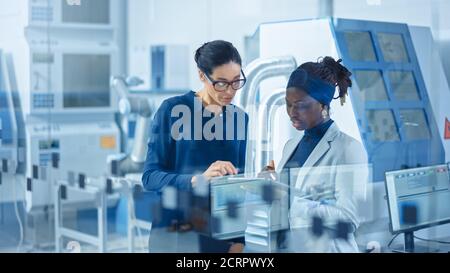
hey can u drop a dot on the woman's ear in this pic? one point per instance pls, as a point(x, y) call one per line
point(201, 75)
point(325, 111)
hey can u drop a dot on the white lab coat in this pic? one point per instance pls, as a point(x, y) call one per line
point(338, 164)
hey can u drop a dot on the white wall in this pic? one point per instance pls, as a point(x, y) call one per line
point(416, 12)
point(407, 11)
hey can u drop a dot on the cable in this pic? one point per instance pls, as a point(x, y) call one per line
point(430, 240)
point(392, 240)
point(133, 217)
point(133, 213)
point(16, 210)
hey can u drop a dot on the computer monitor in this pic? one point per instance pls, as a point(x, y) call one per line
point(243, 192)
point(417, 198)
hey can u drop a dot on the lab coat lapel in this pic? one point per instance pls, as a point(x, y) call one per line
point(319, 151)
point(288, 153)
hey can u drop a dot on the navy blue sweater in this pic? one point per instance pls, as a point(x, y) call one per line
point(174, 162)
point(307, 144)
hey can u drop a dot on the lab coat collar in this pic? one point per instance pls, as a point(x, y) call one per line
point(322, 147)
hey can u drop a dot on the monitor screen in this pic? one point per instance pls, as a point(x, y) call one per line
point(393, 47)
point(371, 85)
point(404, 85)
point(86, 80)
point(418, 198)
point(89, 12)
point(236, 189)
point(415, 125)
point(382, 125)
point(245, 194)
point(360, 46)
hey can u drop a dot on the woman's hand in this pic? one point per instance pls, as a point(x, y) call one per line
point(220, 168)
point(236, 248)
point(217, 169)
point(268, 172)
point(270, 167)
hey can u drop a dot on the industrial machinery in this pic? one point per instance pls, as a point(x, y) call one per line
point(397, 106)
point(11, 120)
point(60, 119)
point(169, 67)
point(141, 106)
point(417, 199)
point(63, 57)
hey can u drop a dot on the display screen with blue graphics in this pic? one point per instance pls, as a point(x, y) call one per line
point(418, 198)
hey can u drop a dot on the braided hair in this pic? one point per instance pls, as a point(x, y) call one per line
point(333, 72)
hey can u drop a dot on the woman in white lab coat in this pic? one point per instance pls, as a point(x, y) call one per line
point(322, 190)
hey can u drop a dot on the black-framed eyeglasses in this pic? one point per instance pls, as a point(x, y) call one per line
point(222, 86)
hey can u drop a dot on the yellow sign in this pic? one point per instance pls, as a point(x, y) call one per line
point(108, 142)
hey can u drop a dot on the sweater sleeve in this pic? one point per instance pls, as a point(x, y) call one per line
point(158, 171)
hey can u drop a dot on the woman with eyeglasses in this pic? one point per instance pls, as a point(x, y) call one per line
point(200, 133)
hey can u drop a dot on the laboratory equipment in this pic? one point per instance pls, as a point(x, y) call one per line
point(169, 67)
point(99, 190)
point(103, 192)
point(417, 198)
point(12, 144)
point(162, 66)
point(142, 106)
point(225, 210)
point(59, 60)
point(63, 57)
point(397, 99)
point(7, 122)
point(137, 109)
point(11, 120)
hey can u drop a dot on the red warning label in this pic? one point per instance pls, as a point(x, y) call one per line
point(447, 129)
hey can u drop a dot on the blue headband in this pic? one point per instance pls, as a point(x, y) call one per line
point(320, 90)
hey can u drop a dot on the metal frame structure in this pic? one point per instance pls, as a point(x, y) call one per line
point(427, 151)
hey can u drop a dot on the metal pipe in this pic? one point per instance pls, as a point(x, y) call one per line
point(267, 112)
point(137, 104)
point(79, 236)
point(120, 86)
point(140, 105)
point(139, 151)
point(256, 72)
point(259, 70)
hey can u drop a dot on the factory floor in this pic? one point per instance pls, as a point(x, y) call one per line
point(163, 242)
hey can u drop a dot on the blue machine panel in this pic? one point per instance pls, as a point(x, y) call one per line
point(389, 96)
point(158, 67)
point(5, 120)
point(6, 134)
